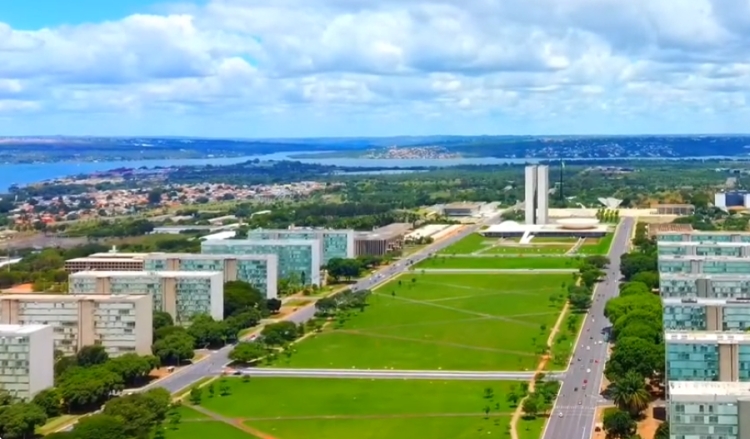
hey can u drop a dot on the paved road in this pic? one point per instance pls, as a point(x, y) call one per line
point(578, 408)
point(392, 374)
point(214, 363)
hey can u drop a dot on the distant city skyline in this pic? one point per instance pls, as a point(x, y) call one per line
point(344, 68)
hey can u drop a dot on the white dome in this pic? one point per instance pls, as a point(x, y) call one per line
point(578, 223)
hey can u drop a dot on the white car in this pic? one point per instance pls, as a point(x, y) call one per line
point(559, 415)
point(588, 348)
point(588, 370)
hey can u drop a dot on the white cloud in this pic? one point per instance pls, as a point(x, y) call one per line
point(307, 67)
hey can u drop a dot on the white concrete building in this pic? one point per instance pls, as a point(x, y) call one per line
point(542, 194)
point(182, 294)
point(530, 182)
point(122, 324)
point(27, 358)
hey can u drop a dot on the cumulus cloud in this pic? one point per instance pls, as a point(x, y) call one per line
point(488, 65)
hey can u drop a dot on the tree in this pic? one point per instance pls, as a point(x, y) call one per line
point(132, 368)
point(629, 393)
point(20, 419)
point(49, 401)
point(196, 394)
point(531, 406)
point(101, 426)
point(648, 278)
point(87, 388)
point(209, 333)
point(662, 432)
point(326, 306)
point(248, 352)
point(91, 356)
point(281, 333)
point(141, 411)
point(162, 319)
point(240, 296)
point(619, 424)
point(174, 348)
point(340, 267)
point(273, 305)
point(634, 354)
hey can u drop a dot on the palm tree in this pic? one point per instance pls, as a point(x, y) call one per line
point(629, 393)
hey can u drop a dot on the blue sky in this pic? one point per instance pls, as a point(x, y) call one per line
point(296, 68)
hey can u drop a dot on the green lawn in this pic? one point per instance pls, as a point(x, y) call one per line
point(301, 408)
point(597, 246)
point(500, 262)
point(564, 343)
point(469, 244)
point(441, 321)
point(528, 250)
point(205, 429)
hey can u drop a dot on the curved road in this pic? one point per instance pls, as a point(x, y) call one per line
point(574, 411)
point(214, 363)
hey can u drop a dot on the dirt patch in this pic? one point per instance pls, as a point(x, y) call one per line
point(254, 431)
point(20, 289)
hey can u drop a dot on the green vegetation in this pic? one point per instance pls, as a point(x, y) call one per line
point(470, 244)
point(435, 321)
point(530, 249)
point(637, 333)
point(374, 409)
point(500, 263)
point(596, 246)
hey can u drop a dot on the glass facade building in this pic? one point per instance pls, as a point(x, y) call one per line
point(708, 410)
point(715, 249)
point(707, 356)
point(704, 265)
point(714, 286)
point(298, 259)
point(706, 315)
point(260, 271)
point(182, 294)
point(333, 243)
point(707, 237)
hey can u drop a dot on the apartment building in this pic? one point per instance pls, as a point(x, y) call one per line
point(704, 264)
point(706, 409)
point(298, 259)
point(711, 286)
point(182, 294)
point(703, 237)
point(26, 360)
point(122, 324)
point(691, 314)
point(261, 271)
point(707, 356)
point(333, 243)
point(91, 263)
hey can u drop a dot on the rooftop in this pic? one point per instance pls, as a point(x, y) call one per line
point(210, 256)
point(717, 388)
point(462, 205)
point(117, 255)
point(707, 337)
point(6, 330)
point(195, 274)
point(708, 232)
point(259, 242)
point(568, 225)
point(41, 297)
point(683, 301)
point(702, 258)
point(102, 259)
point(386, 232)
point(697, 276)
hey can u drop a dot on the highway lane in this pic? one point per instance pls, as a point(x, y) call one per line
point(574, 411)
point(213, 364)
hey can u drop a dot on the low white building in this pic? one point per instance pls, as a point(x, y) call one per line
point(27, 356)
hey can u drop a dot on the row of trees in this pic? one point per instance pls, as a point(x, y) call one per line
point(638, 354)
point(608, 215)
point(352, 268)
point(589, 273)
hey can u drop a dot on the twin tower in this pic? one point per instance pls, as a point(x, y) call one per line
point(537, 194)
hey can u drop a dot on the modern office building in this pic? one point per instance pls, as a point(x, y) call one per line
point(710, 286)
point(705, 409)
point(333, 243)
point(298, 259)
point(716, 249)
point(27, 358)
point(260, 271)
point(536, 190)
point(706, 314)
point(122, 324)
point(103, 263)
point(726, 200)
point(461, 209)
point(704, 264)
point(674, 209)
point(182, 294)
point(703, 237)
point(381, 241)
point(707, 356)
